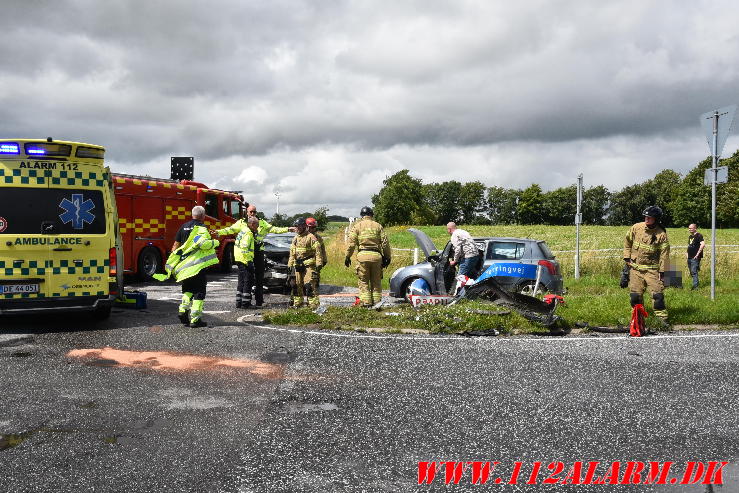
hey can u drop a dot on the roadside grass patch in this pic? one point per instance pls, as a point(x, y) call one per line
point(462, 317)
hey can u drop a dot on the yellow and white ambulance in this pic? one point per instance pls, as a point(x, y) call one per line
point(58, 228)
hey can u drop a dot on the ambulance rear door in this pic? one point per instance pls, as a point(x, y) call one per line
point(24, 209)
point(78, 229)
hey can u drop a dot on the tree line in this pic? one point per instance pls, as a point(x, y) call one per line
point(404, 199)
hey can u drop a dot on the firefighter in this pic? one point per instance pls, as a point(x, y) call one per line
point(245, 230)
point(263, 230)
point(192, 251)
point(305, 259)
point(312, 229)
point(373, 255)
point(647, 252)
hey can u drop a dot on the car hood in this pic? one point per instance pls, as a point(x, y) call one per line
point(423, 241)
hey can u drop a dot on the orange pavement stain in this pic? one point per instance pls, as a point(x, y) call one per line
point(163, 360)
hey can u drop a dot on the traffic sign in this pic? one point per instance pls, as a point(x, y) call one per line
point(725, 120)
point(722, 175)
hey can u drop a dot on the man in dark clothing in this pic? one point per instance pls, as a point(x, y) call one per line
point(263, 230)
point(696, 243)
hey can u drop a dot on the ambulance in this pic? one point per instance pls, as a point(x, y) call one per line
point(59, 239)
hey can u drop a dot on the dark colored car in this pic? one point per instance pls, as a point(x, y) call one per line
point(276, 255)
point(440, 276)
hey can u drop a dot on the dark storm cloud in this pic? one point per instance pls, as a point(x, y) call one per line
point(230, 80)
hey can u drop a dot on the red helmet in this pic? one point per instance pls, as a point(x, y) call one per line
point(311, 222)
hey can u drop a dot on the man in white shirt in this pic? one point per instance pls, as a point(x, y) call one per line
point(466, 253)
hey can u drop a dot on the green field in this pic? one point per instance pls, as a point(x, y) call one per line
point(595, 298)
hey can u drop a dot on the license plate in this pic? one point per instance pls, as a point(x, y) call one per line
point(19, 288)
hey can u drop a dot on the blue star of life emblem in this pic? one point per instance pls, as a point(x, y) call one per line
point(77, 211)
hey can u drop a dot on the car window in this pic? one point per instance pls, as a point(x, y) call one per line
point(505, 250)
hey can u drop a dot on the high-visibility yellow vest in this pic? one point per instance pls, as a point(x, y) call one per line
point(244, 251)
point(197, 253)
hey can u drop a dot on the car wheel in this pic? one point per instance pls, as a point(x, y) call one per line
point(406, 289)
point(527, 288)
point(228, 258)
point(150, 262)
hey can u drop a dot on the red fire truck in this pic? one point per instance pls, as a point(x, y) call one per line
point(151, 211)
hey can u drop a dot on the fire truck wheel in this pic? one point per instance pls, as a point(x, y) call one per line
point(150, 262)
point(228, 258)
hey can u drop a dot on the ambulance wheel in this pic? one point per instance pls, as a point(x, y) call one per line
point(150, 262)
point(227, 260)
point(102, 312)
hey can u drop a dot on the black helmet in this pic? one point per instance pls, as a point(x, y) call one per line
point(366, 211)
point(653, 211)
point(299, 222)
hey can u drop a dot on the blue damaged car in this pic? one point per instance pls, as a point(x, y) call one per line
point(511, 256)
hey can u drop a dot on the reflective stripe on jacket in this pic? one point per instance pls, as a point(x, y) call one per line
point(647, 247)
point(197, 253)
point(305, 248)
point(369, 239)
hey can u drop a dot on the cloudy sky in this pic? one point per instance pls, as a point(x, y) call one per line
point(323, 99)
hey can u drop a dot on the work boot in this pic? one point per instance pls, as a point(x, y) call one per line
point(198, 323)
point(184, 317)
point(246, 306)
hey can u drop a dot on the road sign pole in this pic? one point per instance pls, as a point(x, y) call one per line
point(714, 176)
point(578, 220)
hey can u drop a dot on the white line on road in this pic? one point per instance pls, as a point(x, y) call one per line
point(242, 319)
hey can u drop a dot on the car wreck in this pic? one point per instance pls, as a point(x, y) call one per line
point(511, 256)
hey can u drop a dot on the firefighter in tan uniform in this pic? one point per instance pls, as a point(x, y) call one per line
point(647, 252)
point(305, 258)
point(312, 229)
point(373, 255)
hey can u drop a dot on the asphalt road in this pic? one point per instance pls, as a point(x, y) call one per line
point(141, 403)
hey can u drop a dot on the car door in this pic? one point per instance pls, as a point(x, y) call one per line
point(444, 273)
point(506, 251)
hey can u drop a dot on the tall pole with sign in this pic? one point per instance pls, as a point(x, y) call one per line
point(578, 220)
point(717, 125)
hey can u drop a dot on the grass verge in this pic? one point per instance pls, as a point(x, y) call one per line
point(459, 318)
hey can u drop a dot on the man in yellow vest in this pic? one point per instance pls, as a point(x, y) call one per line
point(647, 253)
point(305, 258)
point(373, 255)
point(192, 252)
point(263, 230)
point(244, 229)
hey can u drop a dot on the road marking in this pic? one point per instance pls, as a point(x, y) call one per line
point(214, 311)
point(461, 337)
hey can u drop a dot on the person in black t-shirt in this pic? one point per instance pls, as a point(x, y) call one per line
point(695, 252)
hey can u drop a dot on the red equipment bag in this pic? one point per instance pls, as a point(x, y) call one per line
point(636, 326)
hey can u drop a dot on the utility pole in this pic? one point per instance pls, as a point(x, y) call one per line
point(714, 175)
point(717, 125)
point(578, 220)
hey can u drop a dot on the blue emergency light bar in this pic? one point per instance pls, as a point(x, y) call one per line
point(9, 148)
point(35, 151)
